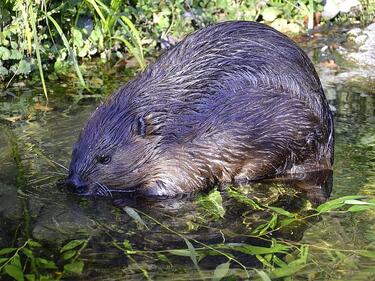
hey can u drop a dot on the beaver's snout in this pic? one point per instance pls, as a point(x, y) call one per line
point(76, 185)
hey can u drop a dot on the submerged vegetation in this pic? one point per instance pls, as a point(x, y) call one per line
point(280, 258)
point(53, 37)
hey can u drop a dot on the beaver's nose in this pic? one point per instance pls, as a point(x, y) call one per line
point(75, 185)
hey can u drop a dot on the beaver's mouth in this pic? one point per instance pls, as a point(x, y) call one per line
point(75, 185)
point(102, 190)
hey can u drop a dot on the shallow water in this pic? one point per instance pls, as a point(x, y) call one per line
point(35, 150)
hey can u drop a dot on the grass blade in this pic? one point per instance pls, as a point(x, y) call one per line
point(133, 50)
point(70, 51)
point(33, 15)
point(193, 253)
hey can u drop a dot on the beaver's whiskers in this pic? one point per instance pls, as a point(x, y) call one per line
point(58, 164)
point(103, 190)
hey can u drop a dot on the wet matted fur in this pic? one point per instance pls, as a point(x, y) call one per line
point(231, 103)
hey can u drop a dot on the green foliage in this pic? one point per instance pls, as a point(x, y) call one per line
point(59, 35)
point(368, 12)
point(354, 201)
point(73, 268)
point(24, 262)
point(280, 259)
point(221, 271)
point(212, 204)
point(49, 34)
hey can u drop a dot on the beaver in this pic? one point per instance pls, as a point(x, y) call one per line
point(231, 103)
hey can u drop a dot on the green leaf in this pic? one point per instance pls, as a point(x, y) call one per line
point(28, 253)
point(24, 67)
point(294, 28)
point(193, 253)
point(358, 202)
point(74, 268)
point(83, 51)
point(71, 245)
point(213, 204)
point(367, 253)
point(34, 244)
point(16, 55)
point(7, 251)
point(14, 45)
point(43, 263)
point(337, 203)
point(243, 199)
point(127, 245)
point(46, 278)
point(30, 277)
point(279, 262)
point(164, 258)
point(263, 275)
point(285, 222)
point(77, 37)
point(222, 4)
point(180, 252)
point(263, 228)
point(360, 208)
point(135, 216)
point(14, 272)
point(16, 261)
point(221, 271)
point(69, 254)
point(3, 71)
point(270, 13)
point(257, 250)
point(71, 52)
point(292, 267)
point(281, 211)
point(137, 41)
point(32, 13)
point(4, 53)
point(287, 271)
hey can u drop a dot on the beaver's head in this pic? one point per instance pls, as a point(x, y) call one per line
point(113, 152)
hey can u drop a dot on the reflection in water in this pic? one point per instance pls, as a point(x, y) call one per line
point(317, 185)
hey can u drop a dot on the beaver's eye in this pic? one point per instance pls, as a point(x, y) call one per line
point(103, 159)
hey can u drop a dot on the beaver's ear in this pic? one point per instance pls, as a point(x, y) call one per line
point(144, 126)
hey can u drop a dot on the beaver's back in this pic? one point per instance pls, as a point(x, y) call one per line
point(202, 72)
point(230, 51)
